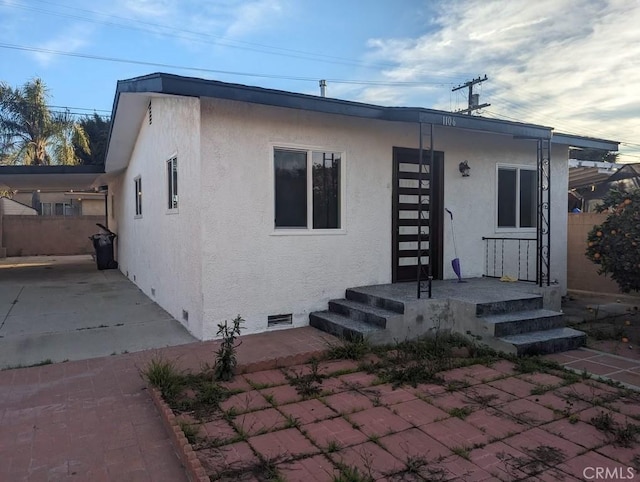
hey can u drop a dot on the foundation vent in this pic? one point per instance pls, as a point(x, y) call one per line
point(275, 320)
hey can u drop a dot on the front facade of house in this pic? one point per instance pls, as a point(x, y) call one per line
point(268, 204)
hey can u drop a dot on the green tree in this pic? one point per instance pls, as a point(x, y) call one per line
point(31, 133)
point(93, 148)
point(614, 245)
point(594, 155)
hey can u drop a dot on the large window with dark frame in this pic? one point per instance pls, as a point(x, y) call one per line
point(138, 195)
point(307, 189)
point(172, 183)
point(517, 197)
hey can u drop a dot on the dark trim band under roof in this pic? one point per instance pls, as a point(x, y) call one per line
point(161, 83)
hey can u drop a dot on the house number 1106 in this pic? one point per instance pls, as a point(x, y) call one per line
point(447, 120)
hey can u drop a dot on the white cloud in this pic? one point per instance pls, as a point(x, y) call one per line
point(253, 15)
point(148, 9)
point(71, 39)
point(569, 64)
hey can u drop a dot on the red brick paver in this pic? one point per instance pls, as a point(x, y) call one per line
point(307, 411)
point(455, 433)
point(370, 459)
point(379, 421)
point(348, 402)
point(418, 412)
point(282, 445)
point(266, 378)
point(336, 430)
point(317, 468)
point(414, 443)
point(260, 421)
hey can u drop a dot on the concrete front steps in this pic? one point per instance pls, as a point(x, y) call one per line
point(524, 327)
point(358, 316)
point(517, 324)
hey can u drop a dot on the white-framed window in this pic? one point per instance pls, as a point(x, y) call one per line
point(517, 197)
point(59, 209)
point(308, 189)
point(138, 195)
point(172, 183)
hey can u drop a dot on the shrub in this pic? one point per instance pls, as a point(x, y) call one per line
point(614, 245)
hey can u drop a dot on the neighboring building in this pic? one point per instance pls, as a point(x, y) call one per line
point(11, 207)
point(64, 203)
point(588, 185)
point(229, 199)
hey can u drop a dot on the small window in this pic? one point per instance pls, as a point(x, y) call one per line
point(296, 173)
point(517, 197)
point(138, 186)
point(172, 183)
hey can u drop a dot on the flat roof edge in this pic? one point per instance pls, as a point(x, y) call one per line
point(584, 142)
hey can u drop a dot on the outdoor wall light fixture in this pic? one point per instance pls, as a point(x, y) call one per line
point(464, 168)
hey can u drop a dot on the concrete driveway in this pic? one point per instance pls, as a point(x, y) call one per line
point(63, 308)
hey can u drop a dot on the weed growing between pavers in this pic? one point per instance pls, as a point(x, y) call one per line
point(309, 384)
point(190, 431)
point(534, 462)
point(419, 466)
point(352, 474)
point(623, 435)
point(226, 360)
point(349, 349)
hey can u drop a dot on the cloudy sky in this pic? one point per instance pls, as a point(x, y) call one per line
point(570, 64)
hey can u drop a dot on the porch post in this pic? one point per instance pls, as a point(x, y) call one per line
point(543, 266)
point(421, 271)
point(3, 251)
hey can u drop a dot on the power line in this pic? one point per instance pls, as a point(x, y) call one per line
point(203, 69)
point(206, 38)
point(78, 108)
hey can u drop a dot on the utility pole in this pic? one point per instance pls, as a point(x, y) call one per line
point(474, 99)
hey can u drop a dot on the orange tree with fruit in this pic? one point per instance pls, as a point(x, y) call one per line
point(614, 245)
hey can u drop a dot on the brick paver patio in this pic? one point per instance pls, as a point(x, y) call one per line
point(95, 421)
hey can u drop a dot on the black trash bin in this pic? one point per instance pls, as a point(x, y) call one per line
point(103, 245)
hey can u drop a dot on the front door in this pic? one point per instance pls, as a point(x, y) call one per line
point(405, 213)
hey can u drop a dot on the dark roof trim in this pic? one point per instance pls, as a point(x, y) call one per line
point(584, 142)
point(161, 83)
point(13, 170)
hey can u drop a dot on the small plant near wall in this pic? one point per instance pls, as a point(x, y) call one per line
point(615, 244)
point(226, 360)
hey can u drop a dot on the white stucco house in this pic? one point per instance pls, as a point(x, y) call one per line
point(229, 199)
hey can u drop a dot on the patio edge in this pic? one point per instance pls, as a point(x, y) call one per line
point(183, 449)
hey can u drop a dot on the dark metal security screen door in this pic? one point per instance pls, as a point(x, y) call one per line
point(405, 214)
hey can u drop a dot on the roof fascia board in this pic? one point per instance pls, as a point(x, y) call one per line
point(21, 170)
point(584, 142)
point(193, 87)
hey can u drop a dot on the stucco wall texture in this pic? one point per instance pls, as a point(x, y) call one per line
point(220, 255)
point(161, 249)
point(48, 235)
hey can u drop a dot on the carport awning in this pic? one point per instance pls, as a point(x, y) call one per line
point(54, 178)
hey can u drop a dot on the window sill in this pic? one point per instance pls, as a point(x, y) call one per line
point(137, 216)
point(515, 230)
point(172, 211)
point(308, 232)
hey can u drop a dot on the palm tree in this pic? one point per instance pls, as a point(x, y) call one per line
point(31, 133)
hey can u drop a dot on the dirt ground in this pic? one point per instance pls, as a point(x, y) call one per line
point(612, 322)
